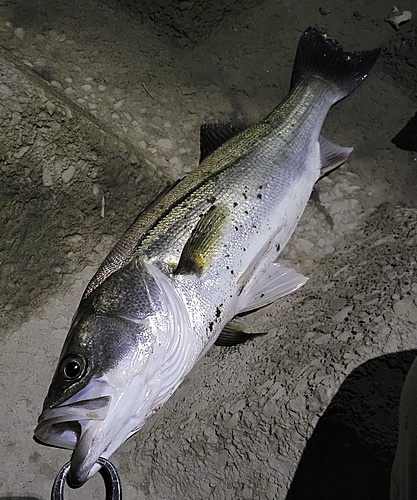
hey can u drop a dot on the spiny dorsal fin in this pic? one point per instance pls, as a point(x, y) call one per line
point(234, 333)
point(202, 244)
point(213, 136)
point(332, 155)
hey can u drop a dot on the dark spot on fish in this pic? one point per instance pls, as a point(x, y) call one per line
point(260, 196)
point(246, 212)
point(262, 295)
point(278, 247)
point(260, 187)
point(232, 272)
point(245, 196)
point(227, 267)
point(244, 249)
point(237, 229)
point(235, 204)
point(212, 199)
point(218, 312)
point(211, 326)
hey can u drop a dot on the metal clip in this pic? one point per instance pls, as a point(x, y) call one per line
point(108, 472)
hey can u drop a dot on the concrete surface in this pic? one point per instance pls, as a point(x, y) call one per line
point(100, 106)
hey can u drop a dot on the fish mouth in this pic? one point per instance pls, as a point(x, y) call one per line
point(73, 426)
point(62, 426)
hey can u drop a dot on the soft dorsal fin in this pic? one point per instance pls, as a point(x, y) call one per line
point(213, 136)
point(203, 242)
point(332, 155)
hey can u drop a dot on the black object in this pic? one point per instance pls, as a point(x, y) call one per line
point(108, 472)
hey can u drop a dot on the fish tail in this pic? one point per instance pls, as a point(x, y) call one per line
point(320, 56)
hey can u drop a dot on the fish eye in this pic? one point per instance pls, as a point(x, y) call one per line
point(72, 368)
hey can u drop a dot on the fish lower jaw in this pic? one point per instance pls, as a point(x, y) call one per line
point(59, 435)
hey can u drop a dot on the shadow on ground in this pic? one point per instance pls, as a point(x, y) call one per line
point(350, 454)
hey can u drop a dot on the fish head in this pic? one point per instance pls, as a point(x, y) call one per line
point(124, 355)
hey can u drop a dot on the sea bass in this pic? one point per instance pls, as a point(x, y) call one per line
point(198, 257)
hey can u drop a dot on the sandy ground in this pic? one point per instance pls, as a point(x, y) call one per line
point(100, 109)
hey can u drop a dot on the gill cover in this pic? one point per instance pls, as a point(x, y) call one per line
point(127, 350)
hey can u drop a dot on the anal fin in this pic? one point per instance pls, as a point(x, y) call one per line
point(272, 283)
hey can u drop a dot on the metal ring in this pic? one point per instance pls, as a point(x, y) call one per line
point(107, 471)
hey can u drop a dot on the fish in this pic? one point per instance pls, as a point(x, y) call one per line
point(195, 262)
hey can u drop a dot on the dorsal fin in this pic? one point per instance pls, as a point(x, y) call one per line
point(213, 136)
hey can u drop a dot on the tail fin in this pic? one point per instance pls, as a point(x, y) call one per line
point(321, 56)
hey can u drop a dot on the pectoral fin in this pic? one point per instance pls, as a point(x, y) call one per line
point(272, 283)
point(233, 333)
point(202, 245)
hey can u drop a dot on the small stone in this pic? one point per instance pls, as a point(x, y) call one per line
point(50, 107)
point(56, 84)
point(342, 314)
point(22, 151)
point(102, 88)
point(297, 404)
point(5, 91)
point(324, 12)
point(19, 33)
point(68, 174)
point(397, 18)
point(406, 309)
point(86, 88)
point(304, 245)
point(16, 117)
point(47, 178)
point(117, 105)
point(323, 339)
point(165, 144)
point(55, 127)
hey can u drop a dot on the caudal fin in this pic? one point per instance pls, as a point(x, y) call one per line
point(318, 55)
